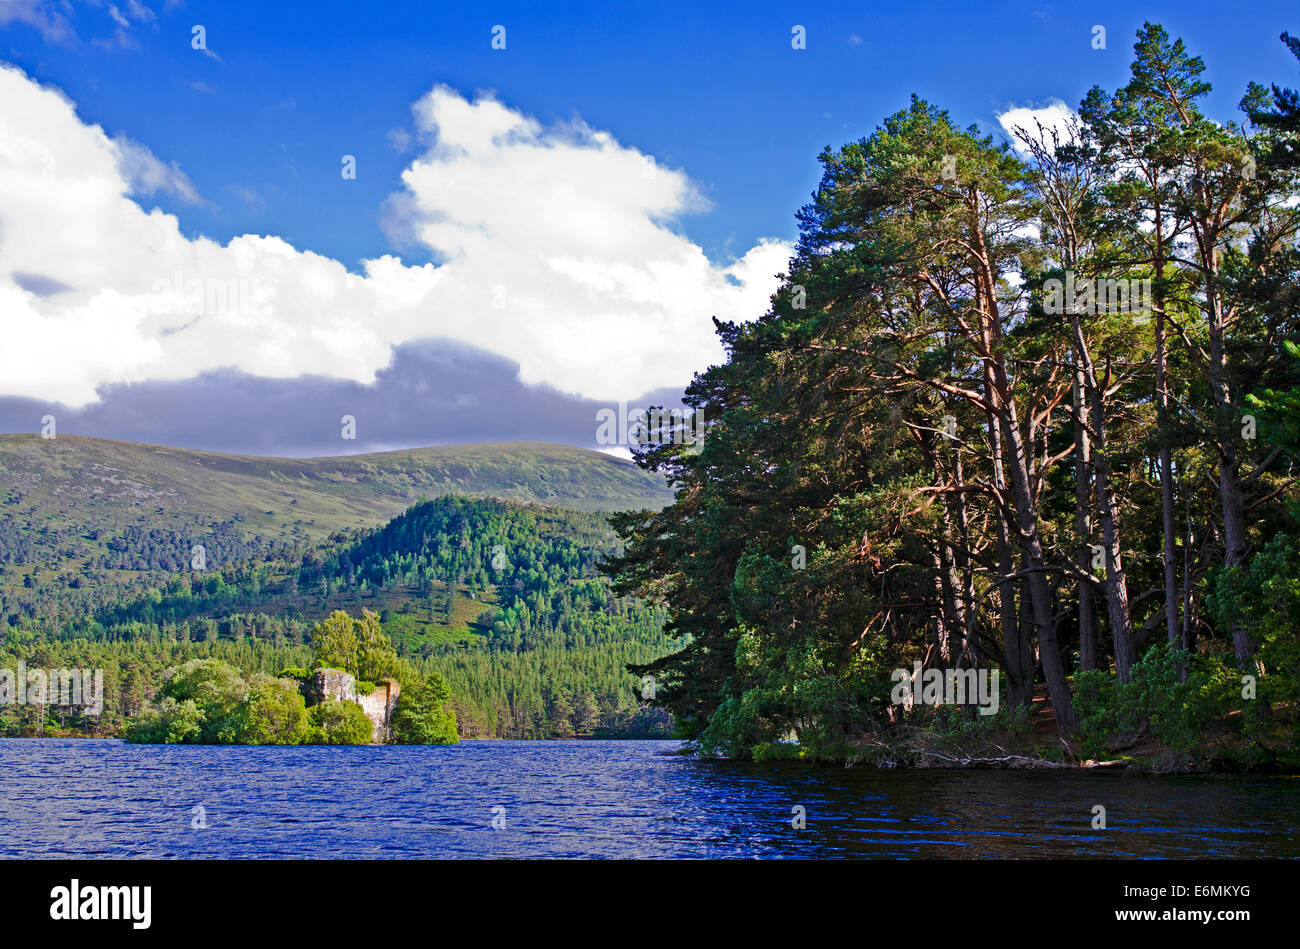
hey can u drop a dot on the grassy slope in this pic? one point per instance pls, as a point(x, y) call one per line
point(78, 481)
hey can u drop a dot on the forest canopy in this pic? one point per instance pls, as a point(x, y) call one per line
point(1027, 406)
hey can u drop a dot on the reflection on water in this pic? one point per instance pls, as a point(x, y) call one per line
point(601, 799)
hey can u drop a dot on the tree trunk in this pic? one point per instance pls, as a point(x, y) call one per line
point(1117, 607)
point(1189, 630)
point(966, 607)
point(1116, 584)
point(943, 633)
point(1034, 565)
point(1170, 543)
point(1015, 648)
point(1025, 507)
point(1226, 426)
point(1088, 644)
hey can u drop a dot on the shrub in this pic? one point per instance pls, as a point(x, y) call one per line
point(340, 723)
point(1007, 725)
point(421, 717)
point(217, 690)
point(1264, 597)
point(1172, 710)
point(274, 714)
point(169, 723)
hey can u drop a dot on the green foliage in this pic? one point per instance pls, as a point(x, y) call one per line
point(1009, 726)
point(1208, 716)
point(542, 627)
point(217, 691)
point(65, 514)
point(1264, 597)
point(335, 643)
point(1098, 717)
point(274, 714)
point(206, 701)
point(894, 466)
point(421, 717)
point(168, 723)
point(1170, 698)
point(339, 723)
point(893, 471)
point(358, 647)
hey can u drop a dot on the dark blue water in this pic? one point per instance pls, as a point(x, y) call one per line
point(61, 798)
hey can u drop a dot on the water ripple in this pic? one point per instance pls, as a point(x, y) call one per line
point(80, 798)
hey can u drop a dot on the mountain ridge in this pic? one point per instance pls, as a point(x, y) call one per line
point(375, 485)
point(88, 513)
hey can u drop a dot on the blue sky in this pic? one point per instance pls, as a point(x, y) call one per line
point(248, 140)
point(717, 92)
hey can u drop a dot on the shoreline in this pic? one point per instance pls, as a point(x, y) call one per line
point(1160, 763)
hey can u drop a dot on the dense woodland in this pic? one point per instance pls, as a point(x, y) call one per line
point(50, 573)
point(503, 600)
point(953, 440)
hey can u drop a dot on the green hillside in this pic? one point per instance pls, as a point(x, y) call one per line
point(70, 473)
point(504, 599)
point(98, 515)
point(493, 584)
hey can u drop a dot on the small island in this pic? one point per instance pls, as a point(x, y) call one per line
point(360, 692)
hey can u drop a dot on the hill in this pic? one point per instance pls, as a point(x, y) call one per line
point(335, 492)
point(503, 598)
point(78, 512)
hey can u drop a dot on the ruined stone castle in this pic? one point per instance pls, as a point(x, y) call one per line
point(340, 686)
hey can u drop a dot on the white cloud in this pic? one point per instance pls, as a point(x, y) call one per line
point(53, 25)
point(556, 249)
point(399, 139)
point(1055, 115)
point(146, 175)
point(140, 12)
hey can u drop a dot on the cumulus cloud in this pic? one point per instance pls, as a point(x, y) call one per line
point(555, 247)
point(1054, 116)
